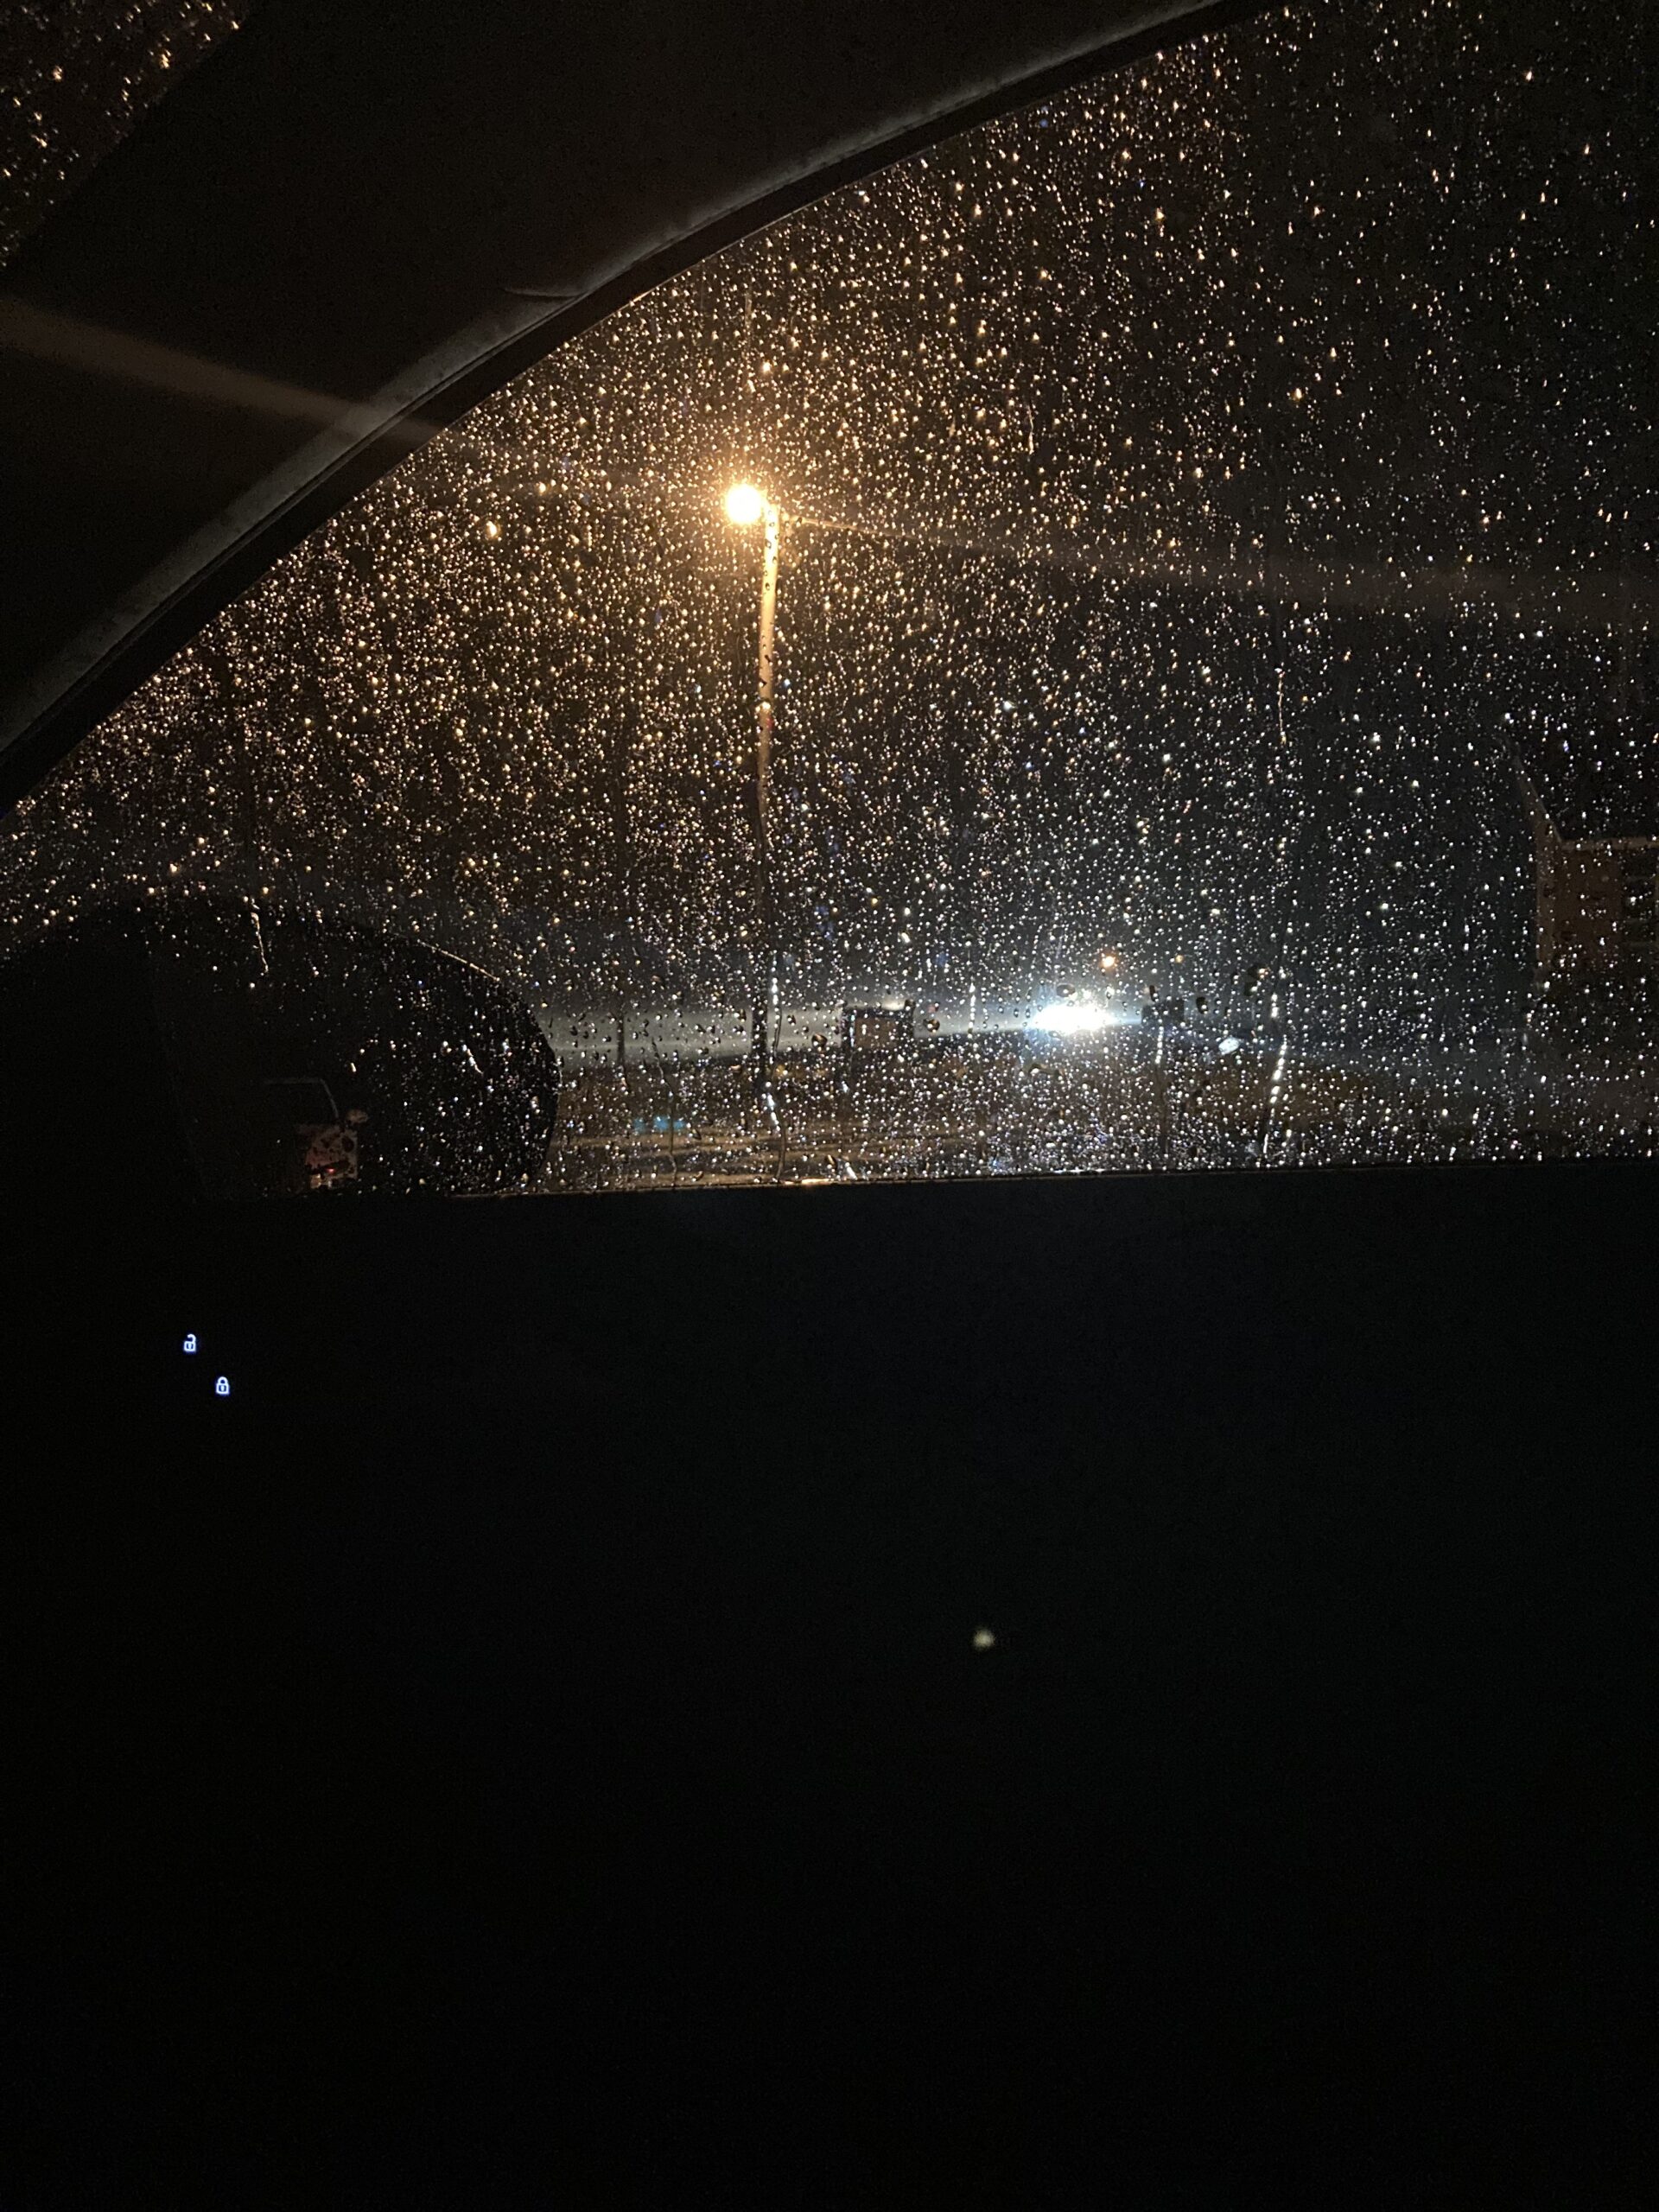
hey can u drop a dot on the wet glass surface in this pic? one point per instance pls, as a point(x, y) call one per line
point(1212, 719)
point(80, 76)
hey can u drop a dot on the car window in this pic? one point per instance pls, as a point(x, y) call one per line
point(1144, 613)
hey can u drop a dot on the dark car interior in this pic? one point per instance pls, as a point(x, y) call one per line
point(862, 1415)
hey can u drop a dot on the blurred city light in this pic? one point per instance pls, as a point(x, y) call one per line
point(1074, 1017)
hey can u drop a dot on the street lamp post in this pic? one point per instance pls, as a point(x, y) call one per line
point(746, 504)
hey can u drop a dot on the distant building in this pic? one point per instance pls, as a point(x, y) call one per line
point(1597, 901)
point(1595, 935)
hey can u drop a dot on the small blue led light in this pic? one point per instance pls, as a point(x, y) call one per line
point(222, 1388)
point(190, 1341)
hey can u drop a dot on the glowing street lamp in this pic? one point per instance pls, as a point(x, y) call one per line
point(746, 505)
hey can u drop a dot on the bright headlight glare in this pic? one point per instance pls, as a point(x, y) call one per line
point(1070, 1018)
